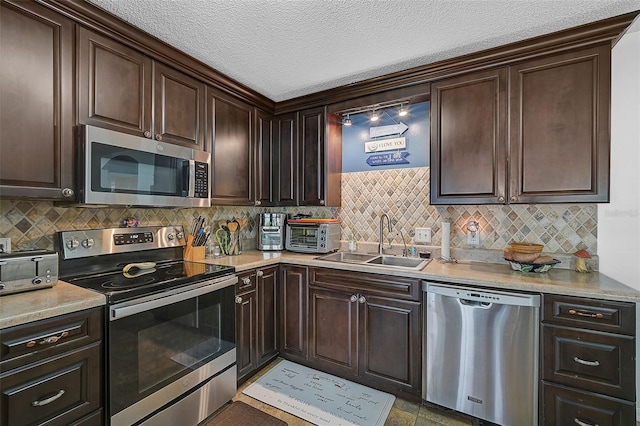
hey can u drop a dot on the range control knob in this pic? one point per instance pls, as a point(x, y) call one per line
point(73, 243)
point(171, 236)
point(88, 243)
point(180, 235)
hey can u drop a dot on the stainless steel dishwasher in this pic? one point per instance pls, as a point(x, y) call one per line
point(481, 353)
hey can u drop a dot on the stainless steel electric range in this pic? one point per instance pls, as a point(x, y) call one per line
point(170, 329)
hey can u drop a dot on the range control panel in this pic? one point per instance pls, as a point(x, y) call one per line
point(95, 242)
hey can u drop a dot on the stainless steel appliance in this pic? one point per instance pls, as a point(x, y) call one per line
point(121, 169)
point(170, 325)
point(27, 270)
point(271, 227)
point(313, 236)
point(481, 354)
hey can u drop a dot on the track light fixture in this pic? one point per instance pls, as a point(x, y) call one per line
point(347, 121)
point(374, 116)
point(403, 111)
point(376, 111)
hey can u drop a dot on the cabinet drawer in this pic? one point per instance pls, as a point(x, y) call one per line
point(565, 406)
point(373, 284)
point(593, 361)
point(614, 317)
point(36, 340)
point(57, 391)
point(246, 282)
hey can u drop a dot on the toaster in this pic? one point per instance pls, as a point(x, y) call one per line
point(27, 270)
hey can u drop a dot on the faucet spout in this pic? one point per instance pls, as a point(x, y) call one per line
point(381, 235)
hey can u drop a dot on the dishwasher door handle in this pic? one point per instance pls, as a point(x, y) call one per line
point(476, 304)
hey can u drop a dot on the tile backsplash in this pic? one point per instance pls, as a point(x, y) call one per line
point(404, 195)
point(401, 193)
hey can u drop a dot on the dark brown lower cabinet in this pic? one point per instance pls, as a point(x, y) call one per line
point(293, 317)
point(570, 406)
point(256, 312)
point(588, 365)
point(51, 371)
point(366, 327)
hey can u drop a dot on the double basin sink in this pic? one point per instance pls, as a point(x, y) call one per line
point(383, 260)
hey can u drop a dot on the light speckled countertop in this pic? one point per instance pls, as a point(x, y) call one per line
point(64, 298)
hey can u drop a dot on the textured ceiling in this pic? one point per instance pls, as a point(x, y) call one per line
point(288, 48)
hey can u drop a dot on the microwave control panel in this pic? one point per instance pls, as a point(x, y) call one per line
point(201, 186)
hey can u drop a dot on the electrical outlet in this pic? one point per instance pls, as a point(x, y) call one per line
point(423, 235)
point(473, 238)
point(5, 245)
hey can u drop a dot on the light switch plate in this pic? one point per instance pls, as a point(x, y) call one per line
point(423, 235)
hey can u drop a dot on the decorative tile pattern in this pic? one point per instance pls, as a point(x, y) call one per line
point(401, 193)
point(404, 195)
point(32, 225)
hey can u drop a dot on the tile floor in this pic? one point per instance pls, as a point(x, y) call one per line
point(403, 413)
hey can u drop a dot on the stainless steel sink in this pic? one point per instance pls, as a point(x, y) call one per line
point(399, 262)
point(348, 257)
point(384, 260)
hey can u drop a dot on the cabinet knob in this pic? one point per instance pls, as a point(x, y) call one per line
point(246, 281)
point(238, 300)
point(361, 299)
point(67, 192)
point(501, 199)
point(514, 198)
point(147, 134)
point(353, 298)
point(158, 137)
point(260, 273)
point(258, 203)
point(322, 202)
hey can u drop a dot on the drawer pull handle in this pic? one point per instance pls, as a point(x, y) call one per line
point(585, 314)
point(581, 423)
point(48, 400)
point(584, 362)
point(47, 340)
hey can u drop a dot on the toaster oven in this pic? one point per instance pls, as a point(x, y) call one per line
point(312, 237)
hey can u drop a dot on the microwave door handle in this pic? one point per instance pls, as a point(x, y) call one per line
point(188, 178)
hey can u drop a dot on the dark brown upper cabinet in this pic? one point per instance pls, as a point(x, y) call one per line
point(320, 158)
point(468, 134)
point(559, 128)
point(115, 85)
point(285, 159)
point(229, 131)
point(122, 89)
point(36, 88)
point(549, 144)
point(263, 158)
point(179, 107)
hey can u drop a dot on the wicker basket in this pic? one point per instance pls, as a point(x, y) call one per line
point(527, 248)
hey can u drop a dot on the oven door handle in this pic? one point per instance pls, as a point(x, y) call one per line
point(125, 311)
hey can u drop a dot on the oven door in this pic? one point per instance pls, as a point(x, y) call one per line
point(163, 346)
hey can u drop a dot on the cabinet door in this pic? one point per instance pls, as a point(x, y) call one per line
point(36, 100)
point(267, 332)
point(390, 343)
point(333, 330)
point(245, 333)
point(468, 138)
point(311, 139)
point(229, 130)
point(285, 160)
point(293, 320)
point(560, 128)
point(114, 85)
point(179, 108)
point(263, 159)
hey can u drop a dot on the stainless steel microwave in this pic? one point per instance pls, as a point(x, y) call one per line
point(121, 169)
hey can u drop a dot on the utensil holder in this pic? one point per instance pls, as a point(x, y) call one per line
point(234, 243)
point(194, 253)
